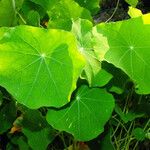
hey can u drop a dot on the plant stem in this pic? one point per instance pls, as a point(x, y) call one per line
point(22, 19)
point(113, 12)
point(62, 138)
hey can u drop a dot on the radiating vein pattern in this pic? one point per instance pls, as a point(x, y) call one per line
point(86, 115)
point(129, 50)
point(39, 66)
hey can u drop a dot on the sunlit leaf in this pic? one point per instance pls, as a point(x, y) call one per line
point(90, 44)
point(134, 12)
point(39, 67)
point(129, 49)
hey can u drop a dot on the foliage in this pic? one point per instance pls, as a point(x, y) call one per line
point(65, 78)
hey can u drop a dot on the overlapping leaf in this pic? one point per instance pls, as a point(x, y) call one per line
point(62, 13)
point(39, 139)
point(91, 44)
point(39, 67)
point(93, 5)
point(130, 49)
point(7, 12)
point(87, 114)
point(7, 116)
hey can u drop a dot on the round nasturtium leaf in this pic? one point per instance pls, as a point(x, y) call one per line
point(129, 50)
point(139, 134)
point(39, 67)
point(86, 116)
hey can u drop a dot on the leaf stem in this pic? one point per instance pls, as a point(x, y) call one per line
point(113, 12)
point(22, 19)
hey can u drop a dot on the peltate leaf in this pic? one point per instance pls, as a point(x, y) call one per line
point(129, 49)
point(39, 67)
point(86, 116)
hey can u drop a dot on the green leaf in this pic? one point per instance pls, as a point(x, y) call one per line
point(39, 139)
point(119, 81)
point(17, 142)
point(44, 3)
point(129, 50)
point(86, 116)
point(1, 98)
point(28, 6)
point(87, 43)
point(33, 120)
point(101, 78)
point(147, 135)
point(33, 18)
point(132, 2)
point(7, 12)
point(116, 90)
point(7, 116)
point(23, 144)
point(93, 5)
point(100, 44)
point(18, 4)
point(39, 67)
point(106, 143)
point(134, 12)
point(139, 134)
point(63, 13)
point(82, 29)
point(126, 117)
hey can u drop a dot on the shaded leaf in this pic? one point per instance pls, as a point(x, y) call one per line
point(139, 134)
point(33, 120)
point(7, 116)
point(126, 117)
point(7, 12)
point(132, 2)
point(33, 18)
point(39, 139)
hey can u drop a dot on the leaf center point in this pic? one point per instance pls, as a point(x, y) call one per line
point(78, 98)
point(43, 55)
point(131, 47)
